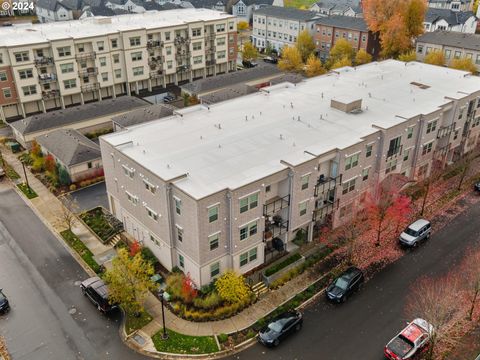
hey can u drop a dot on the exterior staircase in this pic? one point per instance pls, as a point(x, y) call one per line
point(259, 289)
point(114, 240)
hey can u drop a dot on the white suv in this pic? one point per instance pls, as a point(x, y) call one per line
point(416, 232)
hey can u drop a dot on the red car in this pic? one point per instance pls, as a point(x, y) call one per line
point(409, 341)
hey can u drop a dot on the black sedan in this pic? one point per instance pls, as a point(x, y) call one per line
point(270, 59)
point(4, 305)
point(343, 286)
point(280, 327)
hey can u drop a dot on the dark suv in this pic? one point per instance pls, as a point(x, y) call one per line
point(280, 327)
point(4, 305)
point(343, 286)
point(97, 292)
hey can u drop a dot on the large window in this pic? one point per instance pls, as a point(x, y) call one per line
point(213, 241)
point(137, 56)
point(302, 207)
point(220, 27)
point(212, 213)
point(152, 214)
point(25, 74)
point(394, 146)
point(181, 261)
point(391, 166)
point(248, 202)
point(197, 32)
point(248, 256)
point(197, 46)
point(348, 186)
point(137, 71)
point(427, 148)
point(365, 173)
point(178, 205)
point(66, 68)
point(70, 84)
point(351, 161)
point(21, 56)
point(179, 233)
point(29, 90)
point(214, 269)
point(135, 41)
point(409, 132)
point(3, 76)
point(368, 150)
point(431, 126)
point(304, 181)
point(64, 51)
point(248, 230)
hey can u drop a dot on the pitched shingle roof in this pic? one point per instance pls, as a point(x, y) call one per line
point(451, 38)
point(451, 17)
point(254, 2)
point(139, 116)
point(65, 117)
point(341, 5)
point(286, 13)
point(345, 22)
point(69, 146)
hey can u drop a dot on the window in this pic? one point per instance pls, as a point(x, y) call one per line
point(103, 61)
point(25, 74)
point(132, 198)
point(221, 54)
point(66, 68)
point(304, 181)
point(70, 84)
point(405, 154)
point(448, 54)
point(220, 27)
point(1, 59)
point(128, 172)
point(169, 50)
point(64, 51)
point(136, 56)
point(394, 146)
point(100, 45)
point(178, 205)
point(3, 76)
point(104, 76)
point(149, 186)
point(137, 71)
point(197, 46)
point(248, 256)
point(409, 132)
point(455, 134)
point(248, 230)
point(81, 48)
point(431, 126)
point(29, 90)
point(169, 64)
point(197, 32)
point(114, 43)
point(302, 207)
point(135, 41)
point(116, 58)
point(22, 56)
point(118, 73)
point(179, 233)
point(213, 240)
point(457, 54)
point(7, 93)
point(221, 41)
point(154, 240)
point(214, 269)
point(213, 213)
point(427, 148)
point(230, 25)
point(267, 188)
point(348, 186)
point(152, 214)
point(391, 166)
point(248, 202)
point(351, 161)
point(181, 261)
point(167, 35)
point(365, 173)
point(197, 59)
point(368, 150)
point(477, 60)
point(345, 210)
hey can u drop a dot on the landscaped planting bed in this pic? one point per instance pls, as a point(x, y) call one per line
point(76, 244)
point(279, 266)
point(184, 344)
point(96, 220)
point(27, 190)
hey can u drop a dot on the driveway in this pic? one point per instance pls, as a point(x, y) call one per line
point(360, 328)
point(50, 318)
point(91, 196)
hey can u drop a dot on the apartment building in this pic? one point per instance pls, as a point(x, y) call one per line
point(278, 26)
point(354, 29)
point(457, 5)
point(450, 20)
point(55, 65)
point(338, 7)
point(289, 157)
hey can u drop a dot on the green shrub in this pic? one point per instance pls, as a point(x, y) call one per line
point(208, 302)
point(222, 338)
point(38, 164)
point(251, 334)
point(174, 285)
point(147, 255)
point(281, 265)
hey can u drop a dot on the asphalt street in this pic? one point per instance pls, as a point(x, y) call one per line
point(360, 328)
point(50, 318)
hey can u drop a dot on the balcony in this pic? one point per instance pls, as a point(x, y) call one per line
point(184, 55)
point(86, 55)
point(275, 228)
point(181, 40)
point(50, 94)
point(210, 50)
point(156, 74)
point(276, 204)
point(89, 87)
point(322, 210)
point(394, 152)
point(44, 60)
point(151, 44)
point(182, 68)
point(210, 62)
point(47, 78)
point(326, 184)
point(445, 131)
point(91, 71)
point(210, 36)
point(155, 60)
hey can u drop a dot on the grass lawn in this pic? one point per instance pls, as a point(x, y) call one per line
point(184, 344)
point(27, 190)
point(299, 4)
point(76, 244)
point(133, 323)
point(97, 222)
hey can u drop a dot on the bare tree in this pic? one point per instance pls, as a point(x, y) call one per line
point(469, 272)
point(465, 164)
point(427, 182)
point(436, 301)
point(67, 215)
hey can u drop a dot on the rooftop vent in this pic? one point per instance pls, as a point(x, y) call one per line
point(420, 85)
point(347, 105)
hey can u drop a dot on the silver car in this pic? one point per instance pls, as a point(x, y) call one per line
point(416, 232)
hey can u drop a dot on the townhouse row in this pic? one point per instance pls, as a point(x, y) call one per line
point(55, 65)
point(225, 186)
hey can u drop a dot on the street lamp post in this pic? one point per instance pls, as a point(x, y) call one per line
point(164, 335)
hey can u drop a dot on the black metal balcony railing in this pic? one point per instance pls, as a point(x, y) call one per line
point(273, 230)
point(44, 60)
point(445, 130)
point(50, 94)
point(90, 87)
point(181, 40)
point(393, 152)
point(185, 55)
point(276, 204)
point(321, 212)
point(211, 50)
point(182, 68)
point(47, 78)
point(156, 74)
point(154, 44)
point(86, 55)
point(326, 184)
point(88, 72)
point(210, 36)
point(210, 62)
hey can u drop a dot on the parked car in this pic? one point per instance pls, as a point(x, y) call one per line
point(4, 304)
point(409, 341)
point(169, 97)
point(2, 173)
point(345, 285)
point(415, 233)
point(249, 64)
point(280, 327)
point(476, 186)
point(270, 59)
point(97, 292)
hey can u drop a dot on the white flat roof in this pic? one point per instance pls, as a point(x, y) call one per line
point(24, 34)
point(258, 130)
